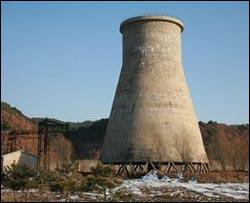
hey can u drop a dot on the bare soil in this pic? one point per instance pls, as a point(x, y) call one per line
point(146, 194)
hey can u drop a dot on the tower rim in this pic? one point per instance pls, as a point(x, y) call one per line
point(152, 18)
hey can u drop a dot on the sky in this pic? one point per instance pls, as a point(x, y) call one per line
point(63, 59)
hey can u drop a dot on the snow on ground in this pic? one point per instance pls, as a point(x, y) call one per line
point(151, 180)
point(74, 197)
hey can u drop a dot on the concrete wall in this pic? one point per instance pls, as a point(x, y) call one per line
point(152, 116)
point(19, 157)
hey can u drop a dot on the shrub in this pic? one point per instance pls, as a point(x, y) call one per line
point(102, 170)
point(55, 187)
point(97, 183)
point(19, 177)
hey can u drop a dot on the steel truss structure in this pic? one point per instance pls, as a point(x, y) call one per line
point(47, 128)
point(15, 135)
point(139, 169)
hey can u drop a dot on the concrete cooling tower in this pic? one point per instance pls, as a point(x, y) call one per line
point(153, 123)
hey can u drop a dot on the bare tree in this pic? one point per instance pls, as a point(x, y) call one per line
point(219, 149)
point(62, 151)
point(240, 152)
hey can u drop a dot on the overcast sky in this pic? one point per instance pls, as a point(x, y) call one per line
point(63, 59)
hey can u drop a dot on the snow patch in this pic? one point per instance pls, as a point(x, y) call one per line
point(74, 197)
point(151, 180)
point(92, 195)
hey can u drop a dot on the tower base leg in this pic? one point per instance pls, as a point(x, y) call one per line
point(139, 169)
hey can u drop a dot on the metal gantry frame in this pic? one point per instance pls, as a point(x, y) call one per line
point(46, 128)
point(14, 137)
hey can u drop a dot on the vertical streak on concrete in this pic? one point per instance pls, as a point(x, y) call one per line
point(152, 116)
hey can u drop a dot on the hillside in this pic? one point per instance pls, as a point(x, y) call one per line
point(14, 119)
point(73, 125)
point(88, 136)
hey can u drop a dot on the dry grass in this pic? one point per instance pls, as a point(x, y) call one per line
point(224, 177)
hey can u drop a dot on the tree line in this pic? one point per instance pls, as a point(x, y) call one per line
point(226, 145)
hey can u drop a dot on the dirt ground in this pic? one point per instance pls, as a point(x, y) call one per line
point(220, 177)
point(136, 191)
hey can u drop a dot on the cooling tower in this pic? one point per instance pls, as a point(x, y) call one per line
point(152, 117)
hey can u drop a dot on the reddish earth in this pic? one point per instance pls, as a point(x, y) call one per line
point(224, 177)
point(216, 177)
point(26, 142)
point(17, 121)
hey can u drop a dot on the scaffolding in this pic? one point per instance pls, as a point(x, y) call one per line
point(46, 128)
point(15, 135)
